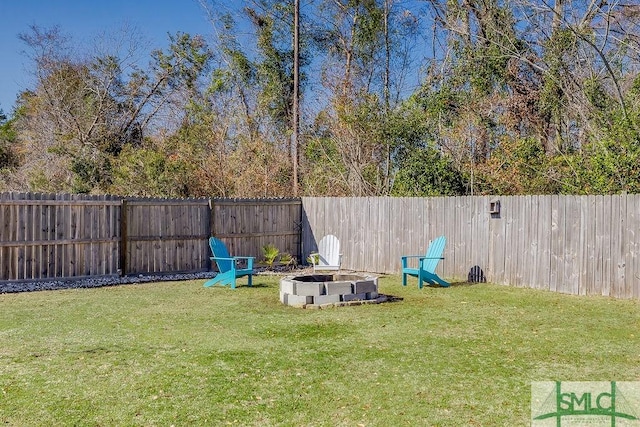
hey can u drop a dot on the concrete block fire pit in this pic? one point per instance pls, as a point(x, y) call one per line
point(329, 290)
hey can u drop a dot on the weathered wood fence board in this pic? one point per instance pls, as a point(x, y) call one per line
point(583, 245)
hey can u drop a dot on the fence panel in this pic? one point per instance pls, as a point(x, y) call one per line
point(588, 221)
point(542, 272)
point(478, 236)
point(570, 244)
point(247, 225)
point(497, 242)
point(165, 236)
point(621, 247)
point(57, 236)
point(354, 234)
point(399, 213)
point(632, 287)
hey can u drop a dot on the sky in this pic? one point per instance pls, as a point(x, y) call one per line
point(83, 20)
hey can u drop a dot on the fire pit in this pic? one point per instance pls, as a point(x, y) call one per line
point(329, 290)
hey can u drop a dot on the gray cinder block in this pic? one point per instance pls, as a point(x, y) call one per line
point(287, 286)
point(364, 286)
point(354, 297)
point(309, 289)
point(338, 288)
point(326, 299)
point(283, 297)
point(299, 300)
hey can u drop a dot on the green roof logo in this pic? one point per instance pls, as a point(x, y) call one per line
point(564, 404)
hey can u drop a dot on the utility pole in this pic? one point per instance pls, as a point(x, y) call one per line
point(387, 66)
point(296, 95)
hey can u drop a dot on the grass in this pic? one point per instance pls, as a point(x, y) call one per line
point(175, 353)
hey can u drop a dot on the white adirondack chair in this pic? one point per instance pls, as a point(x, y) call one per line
point(328, 256)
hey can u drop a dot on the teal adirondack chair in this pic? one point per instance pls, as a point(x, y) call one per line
point(426, 271)
point(228, 270)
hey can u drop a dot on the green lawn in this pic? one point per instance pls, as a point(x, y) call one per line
point(175, 353)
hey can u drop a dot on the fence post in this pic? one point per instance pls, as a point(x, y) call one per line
point(123, 238)
point(300, 234)
point(211, 218)
point(212, 229)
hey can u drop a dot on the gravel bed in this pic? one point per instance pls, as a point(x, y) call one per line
point(96, 282)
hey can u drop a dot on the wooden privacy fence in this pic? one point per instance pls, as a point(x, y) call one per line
point(571, 244)
point(45, 236)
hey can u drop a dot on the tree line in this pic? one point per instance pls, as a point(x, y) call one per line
point(399, 98)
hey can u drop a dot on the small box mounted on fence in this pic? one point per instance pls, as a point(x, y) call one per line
point(494, 208)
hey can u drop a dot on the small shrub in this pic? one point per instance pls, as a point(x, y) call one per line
point(270, 253)
point(288, 260)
